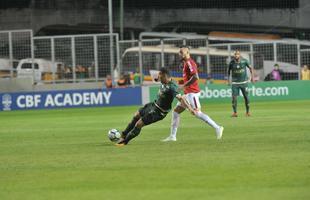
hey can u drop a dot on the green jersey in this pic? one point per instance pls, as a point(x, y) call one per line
point(166, 94)
point(238, 70)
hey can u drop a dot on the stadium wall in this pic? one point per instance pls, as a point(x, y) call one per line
point(260, 91)
point(70, 99)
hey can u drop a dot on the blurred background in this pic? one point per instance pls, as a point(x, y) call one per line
point(57, 42)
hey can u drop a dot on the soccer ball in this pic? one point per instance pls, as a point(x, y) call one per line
point(114, 135)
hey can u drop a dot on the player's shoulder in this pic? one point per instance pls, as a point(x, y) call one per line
point(173, 85)
point(191, 63)
point(243, 60)
point(232, 61)
point(231, 64)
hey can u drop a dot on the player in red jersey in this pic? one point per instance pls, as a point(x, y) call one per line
point(192, 93)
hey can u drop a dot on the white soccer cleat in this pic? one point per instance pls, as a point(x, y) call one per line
point(170, 139)
point(219, 132)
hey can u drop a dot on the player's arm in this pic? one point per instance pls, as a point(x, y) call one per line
point(228, 74)
point(183, 101)
point(194, 78)
point(251, 71)
point(192, 67)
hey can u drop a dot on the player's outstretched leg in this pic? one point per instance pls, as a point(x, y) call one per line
point(131, 125)
point(175, 121)
point(218, 129)
point(132, 134)
point(234, 106)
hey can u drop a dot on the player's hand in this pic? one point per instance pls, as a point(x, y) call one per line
point(253, 80)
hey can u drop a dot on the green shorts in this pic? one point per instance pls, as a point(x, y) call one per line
point(237, 87)
point(150, 114)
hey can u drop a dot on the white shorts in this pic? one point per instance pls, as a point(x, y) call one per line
point(192, 99)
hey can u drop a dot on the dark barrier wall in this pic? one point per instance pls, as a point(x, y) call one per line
point(70, 99)
point(261, 91)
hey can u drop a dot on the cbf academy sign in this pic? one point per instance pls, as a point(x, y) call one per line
point(70, 98)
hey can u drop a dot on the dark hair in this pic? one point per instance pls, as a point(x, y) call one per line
point(164, 70)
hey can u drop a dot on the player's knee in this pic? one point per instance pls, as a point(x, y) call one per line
point(198, 113)
point(137, 115)
point(178, 109)
point(139, 124)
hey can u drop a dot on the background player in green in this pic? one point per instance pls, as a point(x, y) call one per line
point(154, 111)
point(239, 81)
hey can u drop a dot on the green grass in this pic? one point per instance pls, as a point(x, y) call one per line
point(65, 154)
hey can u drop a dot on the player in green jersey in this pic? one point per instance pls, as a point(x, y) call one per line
point(239, 81)
point(154, 111)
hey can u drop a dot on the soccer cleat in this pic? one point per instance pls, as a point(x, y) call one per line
point(170, 139)
point(219, 132)
point(247, 114)
point(120, 144)
point(121, 140)
point(234, 115)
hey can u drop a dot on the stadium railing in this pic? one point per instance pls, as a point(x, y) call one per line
point(87, 58)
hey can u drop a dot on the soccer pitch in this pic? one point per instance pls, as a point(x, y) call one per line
point(65, 154)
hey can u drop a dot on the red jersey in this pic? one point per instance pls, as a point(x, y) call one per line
point(190, 69)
